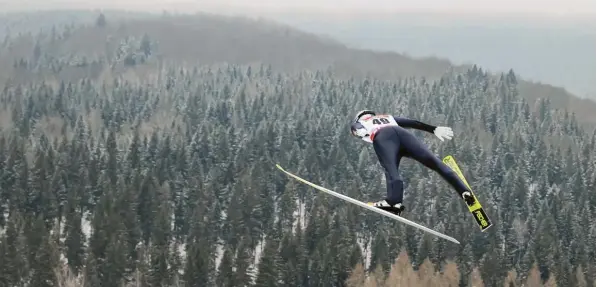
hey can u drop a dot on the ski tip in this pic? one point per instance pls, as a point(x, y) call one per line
point(487, 227)
point(279, 167)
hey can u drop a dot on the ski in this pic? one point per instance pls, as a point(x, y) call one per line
point(475, 209)
point(365, 205)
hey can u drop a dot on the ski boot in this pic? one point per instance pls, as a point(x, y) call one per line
point(468, 198)
point(382, 204)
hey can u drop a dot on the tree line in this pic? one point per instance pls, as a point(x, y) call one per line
point(171, 182)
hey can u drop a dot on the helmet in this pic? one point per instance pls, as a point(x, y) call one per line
point(362, 113)
point(355, 125)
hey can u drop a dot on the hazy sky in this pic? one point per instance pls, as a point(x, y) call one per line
point(565, 8)
point(458, 6)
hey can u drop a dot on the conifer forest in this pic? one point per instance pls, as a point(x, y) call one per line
point(123, 167)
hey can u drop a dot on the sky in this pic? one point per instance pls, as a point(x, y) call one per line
point(551, 8)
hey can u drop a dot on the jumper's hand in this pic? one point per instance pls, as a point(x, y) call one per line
point(443, 133)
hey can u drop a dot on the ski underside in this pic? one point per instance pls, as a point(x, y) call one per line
point(370, 207)
point(475, 209)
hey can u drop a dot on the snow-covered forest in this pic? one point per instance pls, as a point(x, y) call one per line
point(169, 179)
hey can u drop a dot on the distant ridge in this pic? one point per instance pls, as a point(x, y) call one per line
point(208, 38)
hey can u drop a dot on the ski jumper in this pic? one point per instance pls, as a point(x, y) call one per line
point(391, 141)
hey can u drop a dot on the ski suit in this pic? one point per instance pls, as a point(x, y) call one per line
point(391, 141)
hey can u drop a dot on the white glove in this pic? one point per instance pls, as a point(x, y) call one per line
point(443, 133)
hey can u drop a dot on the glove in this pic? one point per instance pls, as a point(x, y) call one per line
point(443, 133)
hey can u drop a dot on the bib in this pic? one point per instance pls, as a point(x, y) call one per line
point(372, 124)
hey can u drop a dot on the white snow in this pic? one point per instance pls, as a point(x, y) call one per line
point(532, 188)
point(223, 214)
point(365, 249)
point(182, 252)
point(219, 255)
point(299, 216)
point(253, 269)
point(86, 226)
point(258, 251)
point(172, 221)
point(3, 230)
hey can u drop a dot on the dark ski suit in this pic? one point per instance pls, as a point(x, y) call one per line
point(394, 142)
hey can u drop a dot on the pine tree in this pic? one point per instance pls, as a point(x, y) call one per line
point(379, 252)
point(197, 268)
point(269, 265)
point(287, 205)
point(16, 175)
point(490, 266)
point(545, 242)
point(36, 201)
point(45, 263)
point(74, 242)
point(15, 263)
point(145, 206)
point(4, 263)
point(224, 277)
point(4, 195)
point(113, 268)
point(160, 272)
point(242, 265)
point(112, 163)
point(127, 207)
point(199, 261)
point(134, 154)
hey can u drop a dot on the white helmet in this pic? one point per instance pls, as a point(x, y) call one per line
point(356, 128)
